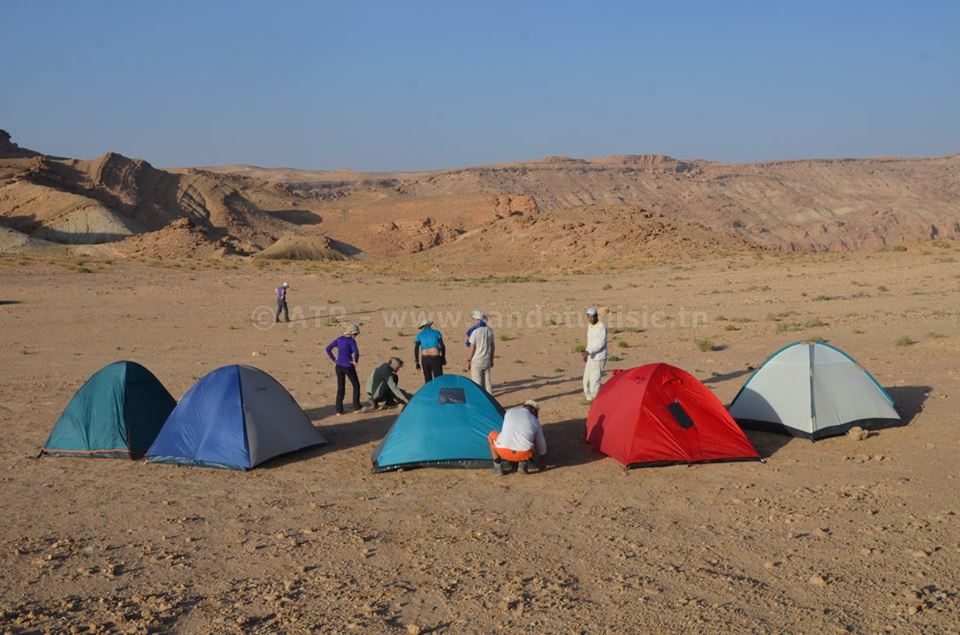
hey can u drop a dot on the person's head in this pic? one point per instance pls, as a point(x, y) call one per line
point(285, 285)
point(425, 323)
point(593, 315)
point(395, 363)
point(532, 406)
point(478, 315)
point(351, 330)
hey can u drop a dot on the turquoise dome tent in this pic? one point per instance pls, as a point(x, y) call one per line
point(445, 424)
point(117, 413)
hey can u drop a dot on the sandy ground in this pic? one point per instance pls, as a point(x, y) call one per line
point(836, 536)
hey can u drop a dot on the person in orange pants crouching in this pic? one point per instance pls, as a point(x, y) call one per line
point(521, 441)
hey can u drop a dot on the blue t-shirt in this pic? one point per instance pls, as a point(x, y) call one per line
point(429, 338)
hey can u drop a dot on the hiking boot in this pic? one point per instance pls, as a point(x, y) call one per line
point(528, 467)
point(497, 468)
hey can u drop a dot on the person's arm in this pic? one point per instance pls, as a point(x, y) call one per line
point(600, 340)
point(493, 348)
point(443, 352)
point(416, 353)
point(473, 349)
point(356, 353)
point(332, 345)
point(540, 446)
point(395, 389)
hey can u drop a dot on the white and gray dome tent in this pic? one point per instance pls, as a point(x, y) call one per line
point(812, 390)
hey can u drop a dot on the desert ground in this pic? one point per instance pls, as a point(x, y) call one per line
point(841, 535)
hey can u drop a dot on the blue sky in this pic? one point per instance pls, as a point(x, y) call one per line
point(414, 84)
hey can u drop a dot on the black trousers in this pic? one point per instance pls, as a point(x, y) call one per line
point(282, 306)
point(342, 375)
point(432, 366)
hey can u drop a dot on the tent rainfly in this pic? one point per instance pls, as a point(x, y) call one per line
point(812, 390)
point(446, 424)
point(117, 413)
point(659, 414)
point(235, 417)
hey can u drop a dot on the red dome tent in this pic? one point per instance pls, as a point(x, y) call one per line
point(658, 415)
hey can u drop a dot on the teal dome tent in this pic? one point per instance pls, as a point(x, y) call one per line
point(445, 424)
point(117, 413)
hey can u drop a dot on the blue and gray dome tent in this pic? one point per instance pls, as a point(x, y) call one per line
point(235, 417)
point(812, 390)
point(117, 413)
point(445, 424)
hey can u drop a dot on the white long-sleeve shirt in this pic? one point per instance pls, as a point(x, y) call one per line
point(597, 342)
point(521, 432)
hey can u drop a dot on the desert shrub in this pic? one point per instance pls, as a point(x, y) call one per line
point(706, 345)
point(793, 327)
point(906, 340)
point(782, 315)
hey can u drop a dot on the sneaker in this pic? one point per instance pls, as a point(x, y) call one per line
point(498, 468)
point(528, 467)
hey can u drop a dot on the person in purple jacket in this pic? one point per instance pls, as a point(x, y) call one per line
point(282, 302)
point(348, 354)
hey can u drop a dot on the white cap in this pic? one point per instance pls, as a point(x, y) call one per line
point(351, 329)
point(424, 323)
point(533, 404)
point(592, 310)
point(477, 314)
point(285, 284)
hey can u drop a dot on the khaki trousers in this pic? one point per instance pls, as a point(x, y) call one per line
point(481, 376)
point(592, 378)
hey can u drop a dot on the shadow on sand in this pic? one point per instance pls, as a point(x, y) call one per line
point(909, 400)
point(715, 379)
point(339, 436)
point(767, 443)
point(537, 383)
point(349, 434)
point(566, 444)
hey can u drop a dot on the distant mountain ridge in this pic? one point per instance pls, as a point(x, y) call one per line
point(675, 206)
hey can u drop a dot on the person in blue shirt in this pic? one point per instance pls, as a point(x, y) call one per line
point(429, 351)
point(348, 354)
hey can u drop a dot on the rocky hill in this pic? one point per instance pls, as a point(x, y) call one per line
point(616, 210)
point(840, 204)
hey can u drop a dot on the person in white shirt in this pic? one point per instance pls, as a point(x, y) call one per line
point(594, 356)
point(520, 440)
point(482, 349)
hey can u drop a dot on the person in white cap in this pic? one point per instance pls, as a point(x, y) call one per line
point(429, 351)
point(282, 302)
point(481, 351)
point(520, 440)
point(594, 355)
